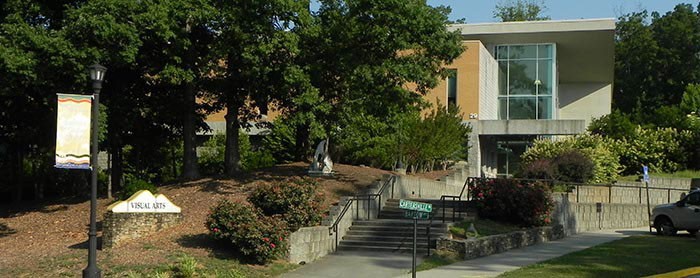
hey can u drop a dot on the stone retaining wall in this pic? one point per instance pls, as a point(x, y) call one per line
point(489, 245)
point(121, 227)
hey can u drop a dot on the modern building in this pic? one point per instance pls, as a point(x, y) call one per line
point(518, 81)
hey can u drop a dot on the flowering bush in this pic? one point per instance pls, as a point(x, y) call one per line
point(521, 203)
point(295, 199)
point(259, 238)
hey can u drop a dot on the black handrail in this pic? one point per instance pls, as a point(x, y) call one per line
point(333, 229)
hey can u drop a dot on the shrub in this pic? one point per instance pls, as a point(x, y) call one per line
point(295, 199)
point(572, 166)
point(538, 169)
point(616, 125)
point(259, 238)
point(134, 185)
point(603, 152)
point(514, 201)
point(660, 149)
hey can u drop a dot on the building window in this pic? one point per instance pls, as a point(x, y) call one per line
point(452, 88)
point(526, 81)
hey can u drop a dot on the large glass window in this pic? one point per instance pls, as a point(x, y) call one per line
point(526, 81)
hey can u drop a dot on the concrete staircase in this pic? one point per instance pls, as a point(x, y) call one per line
point(391, 232)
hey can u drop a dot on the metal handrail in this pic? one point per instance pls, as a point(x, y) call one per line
point(333, 229)
point(576, 185)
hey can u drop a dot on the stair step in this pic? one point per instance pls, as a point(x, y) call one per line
point(406, 243)
point(397, 223)
point(407, 233)
point(369, 238)
point(380, 249)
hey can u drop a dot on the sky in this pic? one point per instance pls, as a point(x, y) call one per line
point(479, 11)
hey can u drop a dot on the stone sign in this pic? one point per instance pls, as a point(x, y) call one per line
point(145, 201)
point(140, 215)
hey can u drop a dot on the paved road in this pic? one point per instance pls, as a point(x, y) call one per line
point(366, 265)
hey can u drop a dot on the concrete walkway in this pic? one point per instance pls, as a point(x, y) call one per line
point(365, 265)
point(356, 264)
point(497, 264)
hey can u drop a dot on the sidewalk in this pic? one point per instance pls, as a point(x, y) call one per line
point(366, 265)
point(355, 264)
point(494, 265)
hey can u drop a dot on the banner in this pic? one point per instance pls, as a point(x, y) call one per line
point(73, 131)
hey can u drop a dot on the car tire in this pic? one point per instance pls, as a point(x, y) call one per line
point(664, 227)
point(692, 232)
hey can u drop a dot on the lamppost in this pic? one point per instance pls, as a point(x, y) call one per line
point(97, 74)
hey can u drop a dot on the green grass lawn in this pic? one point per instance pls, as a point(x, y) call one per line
point(629, 257)
point(484, 227)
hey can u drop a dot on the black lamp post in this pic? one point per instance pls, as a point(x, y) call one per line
point(97, 74)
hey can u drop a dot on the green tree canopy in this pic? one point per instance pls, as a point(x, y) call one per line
point(520, 10)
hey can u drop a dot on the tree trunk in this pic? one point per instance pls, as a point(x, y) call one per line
point(301, 142)
point(19, 175)
point(232, 155)
point(117, 167)
point(190, 167)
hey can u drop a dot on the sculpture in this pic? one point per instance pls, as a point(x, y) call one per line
point(322, 165)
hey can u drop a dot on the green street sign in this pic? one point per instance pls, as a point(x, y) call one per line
point(416, 214)
point(417, 206)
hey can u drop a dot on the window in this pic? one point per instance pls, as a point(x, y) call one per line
point(452, 88)
point(526, 81)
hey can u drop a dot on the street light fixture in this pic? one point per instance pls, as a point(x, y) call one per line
point(97, 74)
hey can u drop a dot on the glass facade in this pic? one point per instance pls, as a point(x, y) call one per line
point(509, 149)
point(526, 81)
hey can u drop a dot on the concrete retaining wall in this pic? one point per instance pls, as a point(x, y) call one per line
point(489, 245)
point(581, 217)
point(627, 195)
point(309, 244)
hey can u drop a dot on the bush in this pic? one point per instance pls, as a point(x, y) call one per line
point(295, 199)
point(603, 152)
point(572, 166)
point(616, 125)
point(661, 149)
point(538, 169)
point(134, 185)
point(259, 238)
point(521, 203)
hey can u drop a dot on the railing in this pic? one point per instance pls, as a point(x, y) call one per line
point(454, 198)
point(333, 229)
point(572, 186)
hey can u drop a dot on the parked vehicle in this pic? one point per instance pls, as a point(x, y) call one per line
point(668, 219)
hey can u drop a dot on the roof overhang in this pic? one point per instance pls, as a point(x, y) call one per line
point(530, 127)
point(585, 47)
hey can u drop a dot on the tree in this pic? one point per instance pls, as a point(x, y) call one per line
point(257, 43)
point(362, 55)
point(36, 62)
point(655, 59)
point(520, 10)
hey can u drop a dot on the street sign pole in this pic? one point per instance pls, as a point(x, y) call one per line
point(415, 233)
point(645, 171)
